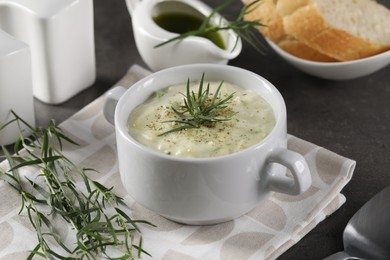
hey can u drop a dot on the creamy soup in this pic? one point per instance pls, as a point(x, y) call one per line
point(251, 120)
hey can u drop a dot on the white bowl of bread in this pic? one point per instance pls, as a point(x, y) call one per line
point(331, 39)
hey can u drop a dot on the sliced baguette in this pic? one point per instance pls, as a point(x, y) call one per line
point(325, 30)
point(266, 12)
point(269, 13)
point(342, 29)
point(298, 49)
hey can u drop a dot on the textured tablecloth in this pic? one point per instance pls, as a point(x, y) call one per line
point(264, 233)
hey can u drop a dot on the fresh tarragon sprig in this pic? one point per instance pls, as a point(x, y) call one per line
point(243, 28)
point(95, 215)
point(201, 108)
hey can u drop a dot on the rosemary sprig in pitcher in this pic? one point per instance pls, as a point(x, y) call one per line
point(96, 215)
point(243, 28)
point(201, 108)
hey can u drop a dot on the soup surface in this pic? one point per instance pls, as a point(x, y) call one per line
point(251, 120)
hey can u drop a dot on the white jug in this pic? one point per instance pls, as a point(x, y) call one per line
point(61, 40)
point(16, 90)
point(189, 50)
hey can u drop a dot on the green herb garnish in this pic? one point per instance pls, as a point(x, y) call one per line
point(202, 108)
point(244, 29)
point(96, 215)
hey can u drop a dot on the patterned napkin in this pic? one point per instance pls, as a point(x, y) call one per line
point(264, 233)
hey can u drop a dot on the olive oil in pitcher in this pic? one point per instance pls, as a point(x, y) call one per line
point(182, 23)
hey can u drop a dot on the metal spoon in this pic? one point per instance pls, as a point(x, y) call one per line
point(367, 234)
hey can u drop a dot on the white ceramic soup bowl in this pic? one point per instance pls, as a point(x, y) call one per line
point(205, 190)
point(344, 70)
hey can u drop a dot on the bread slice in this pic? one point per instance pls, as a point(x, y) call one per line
point(325, 30)
point(342, 29)
point(271, 15)
point(266, 12)
point(298, 49)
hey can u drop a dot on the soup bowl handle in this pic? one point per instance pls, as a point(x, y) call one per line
point(111, 100)
point(296, 163)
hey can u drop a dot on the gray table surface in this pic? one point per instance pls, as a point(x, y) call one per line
point(351, 118)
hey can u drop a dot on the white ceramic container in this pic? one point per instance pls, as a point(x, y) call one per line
point(190, 50)
point(336, 70)
point(61, 38)
point(205, 190)
point(15, 86)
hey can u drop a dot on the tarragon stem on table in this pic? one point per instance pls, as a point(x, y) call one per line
point(243, 28)
point(100, 225)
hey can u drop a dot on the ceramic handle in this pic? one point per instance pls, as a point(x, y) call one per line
point(131, 5)
point(299, 169)
point(112, 98)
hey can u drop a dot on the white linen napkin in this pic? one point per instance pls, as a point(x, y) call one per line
point(264, 233)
